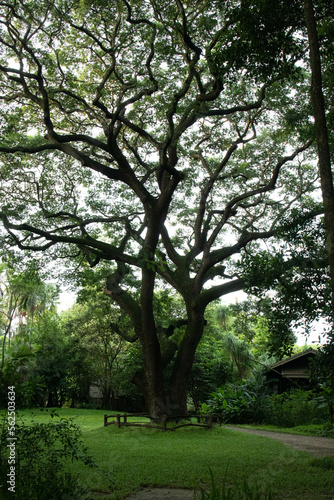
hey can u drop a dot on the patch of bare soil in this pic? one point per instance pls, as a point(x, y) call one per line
point(317, 446)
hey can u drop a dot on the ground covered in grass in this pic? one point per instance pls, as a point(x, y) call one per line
point(302, 430)
point(136, 457)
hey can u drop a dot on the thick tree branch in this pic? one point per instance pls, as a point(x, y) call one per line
point(100, 248)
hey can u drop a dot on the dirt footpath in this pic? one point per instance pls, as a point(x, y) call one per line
point(317, 446)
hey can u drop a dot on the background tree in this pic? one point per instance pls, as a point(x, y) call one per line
point(314, 96)
point(320, 124)
point(130, 135)
point(319, 18)
point(99, 353)
point(53, 358)
point(291, 297)
point(9, 305)
point(22, 293)
point(28, 303)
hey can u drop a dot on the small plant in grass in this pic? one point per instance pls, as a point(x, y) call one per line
point(225, 491)
point(40, 459)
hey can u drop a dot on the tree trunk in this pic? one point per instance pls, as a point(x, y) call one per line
point(179, 382)
point(321, 136)
point(165, 399)
point(153, 384)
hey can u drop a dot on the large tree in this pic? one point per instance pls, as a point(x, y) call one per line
point(149, 135)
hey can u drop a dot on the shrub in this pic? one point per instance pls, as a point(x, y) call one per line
point(251, 403)
point(293, 408)
point(325, 431)
point(26, 391)
point(41, 453)
point(257, 385)
point(234, 403)
point(240, 403)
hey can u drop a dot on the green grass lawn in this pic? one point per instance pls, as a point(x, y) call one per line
point(137, 457)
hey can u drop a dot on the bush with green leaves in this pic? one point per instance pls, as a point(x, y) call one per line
point(251, 403)
point(240, 403)
point(42, 455)
point(296, 407)
point(233, 402)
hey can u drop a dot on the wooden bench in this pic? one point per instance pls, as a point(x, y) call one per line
point(121, 420)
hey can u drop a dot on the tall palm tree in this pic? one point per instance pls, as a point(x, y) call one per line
point(223, 316)
point(238, 352)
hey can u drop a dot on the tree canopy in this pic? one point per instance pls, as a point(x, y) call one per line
point(146, 135)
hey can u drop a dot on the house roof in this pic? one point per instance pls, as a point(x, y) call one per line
point(308, 352)
point(295, 367)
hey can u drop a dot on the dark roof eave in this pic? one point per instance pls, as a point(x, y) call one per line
point(309, 352)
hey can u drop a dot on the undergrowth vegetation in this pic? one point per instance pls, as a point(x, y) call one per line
point(246, 403)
